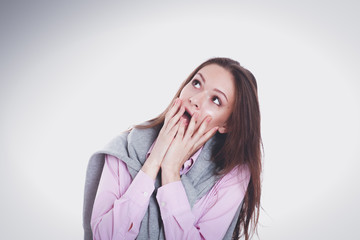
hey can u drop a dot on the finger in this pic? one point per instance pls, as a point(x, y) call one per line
point(175, 119)
point(191, 128)
point(181, 131)
point(204, 138)
point(203, 126)
point(173, 131)
point(173, 110)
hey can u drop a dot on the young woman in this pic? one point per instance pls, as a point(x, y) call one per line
point(191, 173)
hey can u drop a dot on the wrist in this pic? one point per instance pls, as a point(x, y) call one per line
point(154, 160)
point(158, 150)
point(151, 166)
point(169, 175)
point(170, 167)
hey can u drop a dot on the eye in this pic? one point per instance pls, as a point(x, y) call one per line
point(216, 100)
point(196, 83)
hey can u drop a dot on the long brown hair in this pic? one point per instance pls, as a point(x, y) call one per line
point(242, 143)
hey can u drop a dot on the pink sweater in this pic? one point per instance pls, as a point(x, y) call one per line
point(121, 203)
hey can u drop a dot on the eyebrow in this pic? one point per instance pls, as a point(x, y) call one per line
point(217, 90)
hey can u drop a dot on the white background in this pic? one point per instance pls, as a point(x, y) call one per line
point(75, 74)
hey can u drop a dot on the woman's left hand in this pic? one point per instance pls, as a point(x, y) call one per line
point(186, 142)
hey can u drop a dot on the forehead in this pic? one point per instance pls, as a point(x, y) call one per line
point(215, 73)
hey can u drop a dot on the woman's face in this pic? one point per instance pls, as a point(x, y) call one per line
point(211, 92)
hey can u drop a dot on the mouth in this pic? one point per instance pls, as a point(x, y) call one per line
point(187, 116)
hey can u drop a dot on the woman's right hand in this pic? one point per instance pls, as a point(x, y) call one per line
point(164, 139)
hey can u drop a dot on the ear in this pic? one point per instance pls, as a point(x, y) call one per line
point(223, 128)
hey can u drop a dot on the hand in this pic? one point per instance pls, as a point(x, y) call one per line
point(164, 139)
point(185, 143)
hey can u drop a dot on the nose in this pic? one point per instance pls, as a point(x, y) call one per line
point(196, 100)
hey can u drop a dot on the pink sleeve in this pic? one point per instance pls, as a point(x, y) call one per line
point(211, 215)
point(120, 202)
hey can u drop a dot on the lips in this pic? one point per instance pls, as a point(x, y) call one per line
point(187, 115)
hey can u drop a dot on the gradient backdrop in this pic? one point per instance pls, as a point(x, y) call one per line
point(74, 74)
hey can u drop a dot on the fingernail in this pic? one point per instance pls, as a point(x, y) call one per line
point(208, 119)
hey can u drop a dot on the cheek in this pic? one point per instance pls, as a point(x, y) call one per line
point(208, 112)
point(184, 95)
point(218, 118)
point(186, 91)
